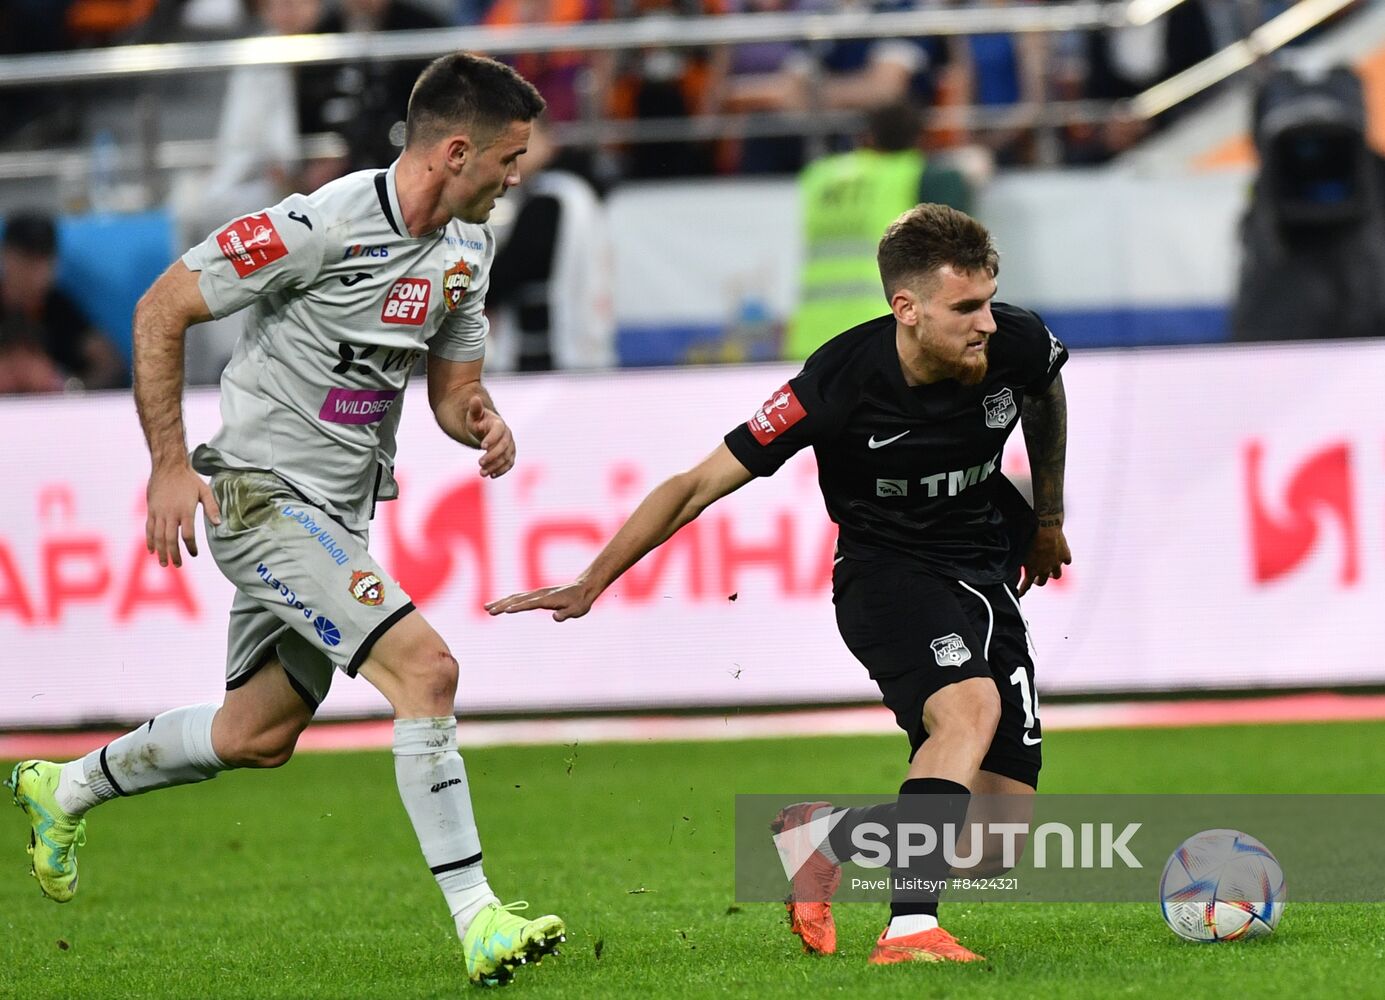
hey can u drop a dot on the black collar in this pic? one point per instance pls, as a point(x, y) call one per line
point(382, 191)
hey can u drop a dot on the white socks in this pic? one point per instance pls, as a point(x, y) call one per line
point(914, 923)
point(432, 783)
point(171, 749)
point(176, 749)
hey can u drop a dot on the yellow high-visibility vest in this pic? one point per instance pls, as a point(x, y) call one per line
point(847, 201)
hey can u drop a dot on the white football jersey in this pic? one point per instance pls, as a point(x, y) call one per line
point(342, 303)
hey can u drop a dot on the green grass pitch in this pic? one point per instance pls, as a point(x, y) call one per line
point(307, 882)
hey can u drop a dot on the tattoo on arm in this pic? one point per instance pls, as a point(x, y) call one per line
point(1045, 425)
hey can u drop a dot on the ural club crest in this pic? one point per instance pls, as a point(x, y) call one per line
point(950, 650)
point(1000, 408)
point(368, 588)
point(456, 281)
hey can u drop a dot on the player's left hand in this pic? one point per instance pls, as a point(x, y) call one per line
point(1048, 554)
point(497, 443)
point(571, 600)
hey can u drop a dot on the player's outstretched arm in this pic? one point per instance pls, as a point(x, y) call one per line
point(466, 413)
point(1045, 423)
point(672, 504)
point(162, 317)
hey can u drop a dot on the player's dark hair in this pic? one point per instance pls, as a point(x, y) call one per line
point(32, 232)
point(894, 128)
point(463, 92)
point(929, 237)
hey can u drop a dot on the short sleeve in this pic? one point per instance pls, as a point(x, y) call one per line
point(796, 415)
point(276, 250)
point(1049, 355)
point(462, 335)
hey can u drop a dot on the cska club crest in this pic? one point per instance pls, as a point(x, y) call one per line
point(368, 588)
point(456, 281)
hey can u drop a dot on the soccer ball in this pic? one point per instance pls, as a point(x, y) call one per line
point(1222, 885)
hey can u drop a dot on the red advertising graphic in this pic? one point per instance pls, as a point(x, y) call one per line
point(1318, 493)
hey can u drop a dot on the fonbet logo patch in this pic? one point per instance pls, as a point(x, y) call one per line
point(778, 413)
point(251, 243)
point(407, 302)
point(368, 588)
point(950, 650)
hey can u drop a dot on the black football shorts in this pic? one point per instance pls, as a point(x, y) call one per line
point(916, 633)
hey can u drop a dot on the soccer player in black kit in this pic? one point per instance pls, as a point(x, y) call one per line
point(908, 415)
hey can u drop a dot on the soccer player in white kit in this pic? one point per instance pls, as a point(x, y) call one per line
point(345, 289)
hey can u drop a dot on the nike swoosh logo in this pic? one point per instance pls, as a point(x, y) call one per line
point(1029, 741)
point(880, 444)
point(354, 279)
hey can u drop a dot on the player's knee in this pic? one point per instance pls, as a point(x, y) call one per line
point(428, 678)
point(414, 669)
point(438, 676)
point(271, 755)
point(971, 714)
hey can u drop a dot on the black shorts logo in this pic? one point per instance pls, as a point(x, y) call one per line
point(950, 650)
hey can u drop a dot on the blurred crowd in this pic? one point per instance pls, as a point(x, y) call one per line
point(267, 112)
point(364, 102)
point(47, 341)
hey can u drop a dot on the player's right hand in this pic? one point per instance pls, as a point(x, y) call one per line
point(173, 495)
point(571, 600)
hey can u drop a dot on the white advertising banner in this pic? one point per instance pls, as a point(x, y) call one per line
point(1068, 239)
point(1226, 510)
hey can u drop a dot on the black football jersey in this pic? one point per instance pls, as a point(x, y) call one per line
point(911, 472)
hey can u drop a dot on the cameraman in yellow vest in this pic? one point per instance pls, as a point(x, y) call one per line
point(848, 199)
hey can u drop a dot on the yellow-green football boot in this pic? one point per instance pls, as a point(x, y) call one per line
point(54, 836)
point(498, 942)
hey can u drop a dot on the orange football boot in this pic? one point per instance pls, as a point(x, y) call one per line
point(936, 945)
point(815, 882)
